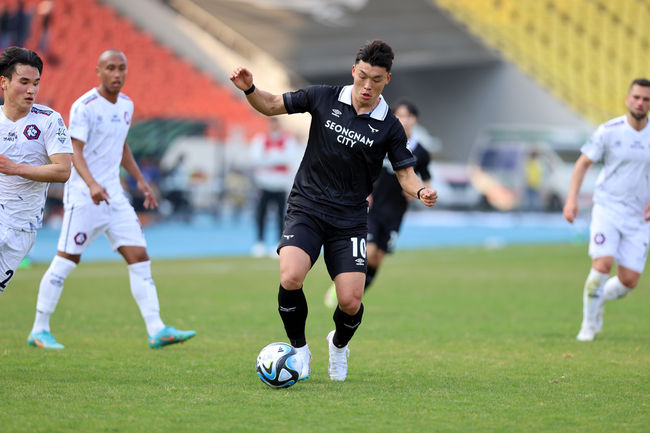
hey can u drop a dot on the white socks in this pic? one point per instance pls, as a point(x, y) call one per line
point(50, 290)
point(614, 289)
point(592, 297)
point(145, 295)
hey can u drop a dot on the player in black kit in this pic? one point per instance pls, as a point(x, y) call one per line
point(352, 130)
point(388, 200)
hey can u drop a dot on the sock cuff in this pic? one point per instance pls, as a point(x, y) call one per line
point(62, 265)
point(141, 268)
point(593, 273)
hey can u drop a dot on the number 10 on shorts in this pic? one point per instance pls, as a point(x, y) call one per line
point(358, 246)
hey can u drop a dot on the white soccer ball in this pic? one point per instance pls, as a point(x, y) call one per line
point(278, 365)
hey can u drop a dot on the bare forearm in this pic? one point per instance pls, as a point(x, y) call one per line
point(55, 172)
point(577, 177)
point(129, 164)
point(266, 102)
point(409, 181)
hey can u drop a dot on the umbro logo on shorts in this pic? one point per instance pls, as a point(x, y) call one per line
point(287, 236)
point(599, 238)
point(360, 261)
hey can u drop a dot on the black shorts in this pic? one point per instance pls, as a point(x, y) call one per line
point(344, 248)
point(383, 232)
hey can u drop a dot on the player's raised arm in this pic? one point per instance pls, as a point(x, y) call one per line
point(570, 210)
point(412, 185)
point(263, 101)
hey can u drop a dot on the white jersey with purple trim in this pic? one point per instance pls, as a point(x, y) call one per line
point(103, 127)
point(30, 140)
point(624, 181)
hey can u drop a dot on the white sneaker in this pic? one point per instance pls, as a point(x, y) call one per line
point(338, 363)
point(305, 354)
point(330, 297)
point(587, 332)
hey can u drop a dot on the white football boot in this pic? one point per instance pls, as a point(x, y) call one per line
point(587, 331)
point(305, 355)
point(338, 362)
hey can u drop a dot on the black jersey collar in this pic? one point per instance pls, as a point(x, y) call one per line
point(380, 111)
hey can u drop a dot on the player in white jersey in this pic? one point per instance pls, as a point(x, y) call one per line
point(620, 227)
point(95, 203)
point(34, 149)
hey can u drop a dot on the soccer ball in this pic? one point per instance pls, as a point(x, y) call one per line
point(278, 365)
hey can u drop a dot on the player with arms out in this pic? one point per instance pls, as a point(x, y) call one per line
point(95, 203)
point(352, 129)
point(388, 202)
point(620, 227)
point(35, 149)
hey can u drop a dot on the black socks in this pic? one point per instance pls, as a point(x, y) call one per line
point(346, 325)
point(370, 275)
point(292, 306)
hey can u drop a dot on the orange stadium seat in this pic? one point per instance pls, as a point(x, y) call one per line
point(160, 83)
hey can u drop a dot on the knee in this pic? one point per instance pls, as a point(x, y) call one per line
point(629, 281)
point(291, 280)
point(350, 303)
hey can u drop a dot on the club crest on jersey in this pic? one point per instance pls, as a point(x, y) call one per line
point(347, 136)
point(32, 132)
point(80, 238)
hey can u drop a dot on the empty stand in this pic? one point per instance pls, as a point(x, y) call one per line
point(585, 51)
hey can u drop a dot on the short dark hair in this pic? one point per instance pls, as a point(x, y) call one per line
point(376, 53)
point(410, 107)
point(644, 82)
point(13, 56)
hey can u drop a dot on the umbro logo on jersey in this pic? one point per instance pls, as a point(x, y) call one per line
point(373, 130)
point(32, 132)
point(336, 112)
point(115, 118)
point(287, 236)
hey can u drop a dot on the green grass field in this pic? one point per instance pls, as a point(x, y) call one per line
point(454, 340)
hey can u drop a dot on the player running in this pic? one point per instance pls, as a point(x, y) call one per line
point(620, 227)
point(95, 203)
point(352, 130)
point(34, 149)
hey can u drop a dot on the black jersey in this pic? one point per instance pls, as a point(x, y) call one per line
point(388, 201)
point(344, 153)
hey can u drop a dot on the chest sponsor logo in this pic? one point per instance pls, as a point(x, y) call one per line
point(32, 132)
point(11, 137)
point(347, 136)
